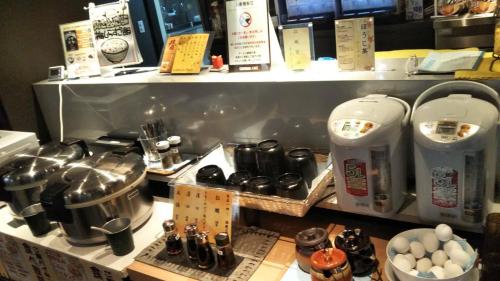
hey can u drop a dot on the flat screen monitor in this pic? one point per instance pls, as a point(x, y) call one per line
point(356, 7)
point(294, 11)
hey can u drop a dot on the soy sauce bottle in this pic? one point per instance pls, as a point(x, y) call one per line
point(191, 230)
point(205, 255)
point(174, 242)
point(225, 254)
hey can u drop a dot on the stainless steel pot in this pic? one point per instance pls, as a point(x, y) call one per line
point(95, 190)
point(25, 176)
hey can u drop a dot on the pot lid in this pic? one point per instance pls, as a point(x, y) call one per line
point(327, 259)
point(352, 240)
point(311, 237)
point(37, 165)
point(99, 176)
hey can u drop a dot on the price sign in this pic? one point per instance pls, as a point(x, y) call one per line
point(209, 209)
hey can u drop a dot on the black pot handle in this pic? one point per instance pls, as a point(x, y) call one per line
point(79, 142)
point(52, 200)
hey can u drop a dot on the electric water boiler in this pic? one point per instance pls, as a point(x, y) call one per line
point(368, 145)
point(455, 142)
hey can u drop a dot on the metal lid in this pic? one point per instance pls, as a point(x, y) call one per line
point(162, 145)
point(202, 238)
point(174, 140)
point(99, 177)
point(190, 229)
point(222, 239)
point(32, 167)
point(169, 226)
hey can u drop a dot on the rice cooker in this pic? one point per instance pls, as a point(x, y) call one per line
point(368, 146)
point(455, 139)
point(25, 176)
point(96, 190)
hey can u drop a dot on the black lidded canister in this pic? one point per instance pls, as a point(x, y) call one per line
point(225, 254)
point(245, 158)
point(191, 230)
point(271, 158)
point(205, 255)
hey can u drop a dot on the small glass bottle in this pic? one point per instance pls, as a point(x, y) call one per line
point(191, 230)
point(225, 254)
point(205, 255)
point(163, 148)
point(174, 242)
point(175, 143)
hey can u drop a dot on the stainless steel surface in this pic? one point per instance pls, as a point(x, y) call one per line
point(136, 205)
point(100, 188)
point(465, 31)
point(29, 172)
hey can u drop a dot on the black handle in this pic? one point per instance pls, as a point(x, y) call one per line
point(79, 142)
point(5, 195)
point(52, 200)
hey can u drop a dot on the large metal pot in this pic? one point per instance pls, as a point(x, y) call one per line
point(25, 176)
point(95, 190)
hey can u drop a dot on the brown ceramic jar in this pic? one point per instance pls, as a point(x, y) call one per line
point(330, 265)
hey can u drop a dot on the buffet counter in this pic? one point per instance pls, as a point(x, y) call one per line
point(50, 257)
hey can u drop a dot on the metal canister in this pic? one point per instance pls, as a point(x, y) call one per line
point(330, 265)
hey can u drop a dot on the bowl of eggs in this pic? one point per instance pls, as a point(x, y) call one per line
point(431, 254)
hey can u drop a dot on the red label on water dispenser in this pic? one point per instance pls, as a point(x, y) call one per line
point(355, 177)
point(444, 187)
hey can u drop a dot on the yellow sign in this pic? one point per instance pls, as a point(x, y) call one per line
point(183, 54)
point(209, 209)
point(297, 46)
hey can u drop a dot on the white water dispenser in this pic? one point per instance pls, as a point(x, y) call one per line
point(368, 145)
point(455, 142)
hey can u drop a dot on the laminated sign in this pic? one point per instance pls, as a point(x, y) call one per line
point(355, 39)
point(114, 37)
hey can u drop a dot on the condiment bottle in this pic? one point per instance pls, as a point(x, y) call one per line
point(359, 250)
point(191, 230)
point(225, 254)
point(329, 265)
point(175, 143)
point(174, 242)
point(205, 255)
point(163, 148)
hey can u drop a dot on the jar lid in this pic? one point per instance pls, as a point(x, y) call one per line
point(174, 140)
point(191, 229)
point(163, 145)
point(311, 237)
point(328, 259)
point(169, 226)
point(222, 239)
point(352, 240)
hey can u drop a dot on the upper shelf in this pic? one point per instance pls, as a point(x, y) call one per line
point(386, 69)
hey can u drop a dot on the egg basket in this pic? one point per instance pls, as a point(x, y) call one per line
point(413, 235)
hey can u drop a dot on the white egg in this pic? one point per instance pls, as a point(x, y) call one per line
point(413, 272)
point(424, 265)
point(460, 257)
point(417, 249)
point(430, 241)
point(411, 259)
point(439, 257)
point(401, 244)
point(438, 272)
point(452, 270)
point(448, 262)
point(450, 245)
point(444, 232)
point(401, 263)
